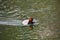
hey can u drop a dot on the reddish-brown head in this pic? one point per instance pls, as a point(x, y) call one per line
point(30, 19)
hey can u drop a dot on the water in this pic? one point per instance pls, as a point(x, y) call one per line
point(46, 11)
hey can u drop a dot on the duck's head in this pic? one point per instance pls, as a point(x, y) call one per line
point(30, 19)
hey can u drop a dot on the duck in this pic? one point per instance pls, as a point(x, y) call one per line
point(29, 22)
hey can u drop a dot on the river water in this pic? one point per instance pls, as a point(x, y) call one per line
point(46, 11)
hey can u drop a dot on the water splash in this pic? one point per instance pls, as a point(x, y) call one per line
point(15, 22)
point(12, 22)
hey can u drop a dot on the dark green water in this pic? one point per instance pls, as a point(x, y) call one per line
point(46, 11)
